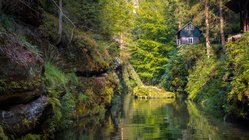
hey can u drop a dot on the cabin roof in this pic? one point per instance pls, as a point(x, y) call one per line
point(236, 5)
point(186, 26)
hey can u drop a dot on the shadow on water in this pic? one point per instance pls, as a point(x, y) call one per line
point(154, 119)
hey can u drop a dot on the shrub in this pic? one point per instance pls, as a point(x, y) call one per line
point(238, 98)
point(177, 69)
point(31, 137)
point(206, 83)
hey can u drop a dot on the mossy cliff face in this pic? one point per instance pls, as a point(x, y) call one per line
point(21, 87)
point(96, 93)
point(20, 119)
point(20, 71)
point(80, 50)
point(48, 78)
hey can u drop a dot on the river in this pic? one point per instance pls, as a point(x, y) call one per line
point(155, 119)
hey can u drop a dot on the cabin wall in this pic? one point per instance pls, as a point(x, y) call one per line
point(184, 40)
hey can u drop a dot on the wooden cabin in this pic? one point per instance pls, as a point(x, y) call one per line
point(188, 34)
point(241, 7)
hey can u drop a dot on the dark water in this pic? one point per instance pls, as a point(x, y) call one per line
point(155, 120)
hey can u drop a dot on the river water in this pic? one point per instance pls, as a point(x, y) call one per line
point(155, 120)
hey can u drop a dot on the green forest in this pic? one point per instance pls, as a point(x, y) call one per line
point(70, 65)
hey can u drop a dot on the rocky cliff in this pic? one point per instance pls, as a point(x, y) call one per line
point(47, 82)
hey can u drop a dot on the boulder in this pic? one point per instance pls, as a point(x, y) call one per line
point(23, 118)
point(20, 71)
point(18, 98)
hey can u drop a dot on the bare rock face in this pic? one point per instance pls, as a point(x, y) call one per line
point(28, 11)
point(20, 72)
point(22, 118)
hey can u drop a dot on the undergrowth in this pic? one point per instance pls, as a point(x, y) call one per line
point(218, 83)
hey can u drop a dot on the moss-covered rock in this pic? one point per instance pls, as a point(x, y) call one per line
point(151, 92)
point(79, 49)
point(20, 71)
point(21, 119)
point(96, 93)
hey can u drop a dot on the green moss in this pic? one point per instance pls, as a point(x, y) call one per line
point(68, 105)
point(34, 49)
point(56, 79)
point(108, 92)
point(49, 27)
point(62, 100)
point(3, 136)
point(151, 92)
point(31, 137)
point(8, 87)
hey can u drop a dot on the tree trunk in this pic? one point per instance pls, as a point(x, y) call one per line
point(207, 28)
point(222, 26)
point(179, 24)
point(60, 20)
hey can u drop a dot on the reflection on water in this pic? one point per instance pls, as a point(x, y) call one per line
point(155, 119)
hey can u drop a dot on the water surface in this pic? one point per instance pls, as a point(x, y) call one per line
point(155, 120)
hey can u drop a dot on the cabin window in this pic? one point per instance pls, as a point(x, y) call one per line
point(190, 40)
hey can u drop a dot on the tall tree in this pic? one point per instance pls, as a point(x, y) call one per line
point(60, 20)
point(181, 12)
point(207, 28)
point(222, 25)
point(154, 34)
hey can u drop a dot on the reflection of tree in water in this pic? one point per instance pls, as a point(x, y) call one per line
point(148, 119)
point(154, 119)
point(205, 126)
point(199, 127)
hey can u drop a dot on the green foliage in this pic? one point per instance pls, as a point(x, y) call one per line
point(177, 69)
point(239, 59)
point(85, 13)
point(49, 27)
point(207, 84)
point(204, 80)
point(34, 49)
point(62, 100)
point(7, 22)
point(83, 97)
point(2, 134)
point(218, 83)
point(56, 79)
point(68, 105)
point(153, 40)
point(31, 137)
point(117, 17)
